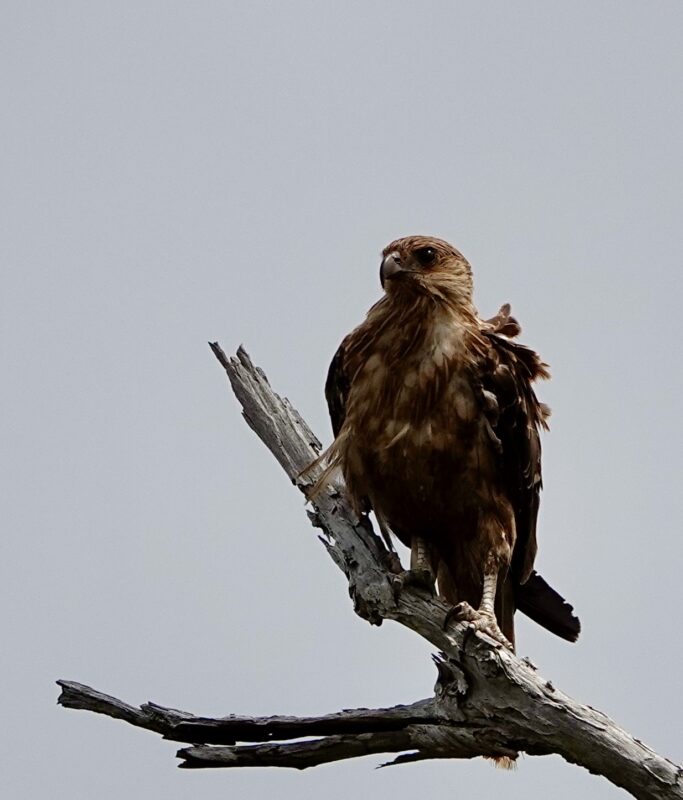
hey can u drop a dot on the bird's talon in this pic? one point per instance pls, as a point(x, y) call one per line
point(418, 578)
point(393, 564)
point(478, 620)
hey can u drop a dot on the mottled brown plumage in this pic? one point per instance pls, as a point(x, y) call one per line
point(437, 430)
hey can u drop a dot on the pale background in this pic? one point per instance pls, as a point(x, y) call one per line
point(181, 172)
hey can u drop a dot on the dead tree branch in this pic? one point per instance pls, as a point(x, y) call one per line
point(486, 701)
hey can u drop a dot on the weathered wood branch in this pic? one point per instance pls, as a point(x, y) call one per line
point(486, 702)
point(421, 727)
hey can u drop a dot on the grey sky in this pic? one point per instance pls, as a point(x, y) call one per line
point(179, 172)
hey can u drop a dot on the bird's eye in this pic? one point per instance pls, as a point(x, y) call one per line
point(425, 256)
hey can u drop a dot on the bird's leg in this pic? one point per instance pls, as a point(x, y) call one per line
point(483, 618)
point(421, 574)
point(488, 595)
point(419, 556)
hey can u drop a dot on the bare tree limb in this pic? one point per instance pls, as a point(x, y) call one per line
point(180, 726)
point(486, 701)
point(232, 729)
point(299, 755)
point(420, 726)
point(150, 716)
point(426, 741)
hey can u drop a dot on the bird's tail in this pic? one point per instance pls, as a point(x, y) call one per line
point(544, 605)
point(503, 762)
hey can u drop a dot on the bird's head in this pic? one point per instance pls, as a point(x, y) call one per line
point(426, 265)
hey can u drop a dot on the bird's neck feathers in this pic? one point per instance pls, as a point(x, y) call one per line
point(409, 323)
point(447, 290)
point(433, 303)
point(452, 290)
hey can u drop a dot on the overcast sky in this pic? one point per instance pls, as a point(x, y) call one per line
point(178, 172)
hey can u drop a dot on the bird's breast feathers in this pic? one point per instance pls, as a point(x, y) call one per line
point(413, 394)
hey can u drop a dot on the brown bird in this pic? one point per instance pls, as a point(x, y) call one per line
point(436, 429)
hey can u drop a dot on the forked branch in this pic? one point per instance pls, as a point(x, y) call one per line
point(486, 701)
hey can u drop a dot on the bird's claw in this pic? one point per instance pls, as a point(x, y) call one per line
point(477, 620)
point(418, 578)
point(392, 563)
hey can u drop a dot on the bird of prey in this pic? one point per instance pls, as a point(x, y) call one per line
point(436, 428)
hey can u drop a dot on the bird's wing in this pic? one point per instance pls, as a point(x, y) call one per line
point(336, 393)
point(337, 389)
point(516, 419)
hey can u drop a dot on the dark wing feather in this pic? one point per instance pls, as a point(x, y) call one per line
point(518, 418)
point(336, 393)
point(516, 425)
point(337, 389)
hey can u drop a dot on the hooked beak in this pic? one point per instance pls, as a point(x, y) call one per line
point(391, 266)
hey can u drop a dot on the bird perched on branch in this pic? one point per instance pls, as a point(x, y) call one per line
point(436, 429)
